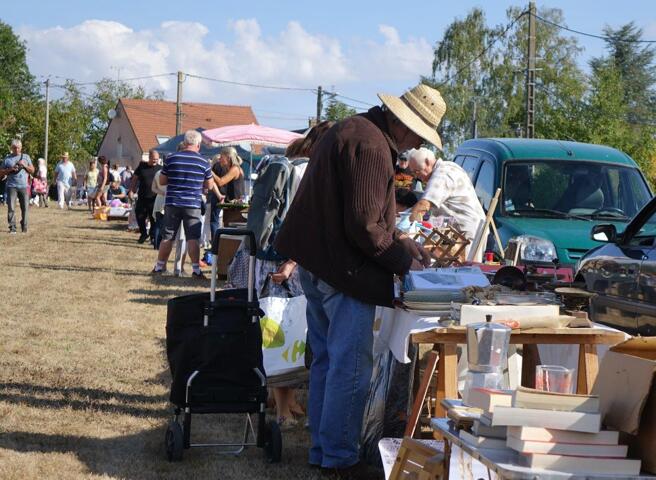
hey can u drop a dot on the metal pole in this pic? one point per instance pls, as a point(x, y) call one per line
point(319, 103)
point(47, 126)
point(475, 120)
point(530, 73)
point(178, 105)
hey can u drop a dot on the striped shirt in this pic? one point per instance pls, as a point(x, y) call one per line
point(186, 172)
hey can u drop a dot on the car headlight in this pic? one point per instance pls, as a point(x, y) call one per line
point(531, 249)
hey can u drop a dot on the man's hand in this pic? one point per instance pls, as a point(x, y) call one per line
point(419, 255)
point(420, 209)
point(284, 272)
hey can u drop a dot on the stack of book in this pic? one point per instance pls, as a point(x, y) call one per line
point(555, 431)
point(484, 435)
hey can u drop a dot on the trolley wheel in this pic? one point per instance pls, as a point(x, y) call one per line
point(174, 441)
point(273, 442)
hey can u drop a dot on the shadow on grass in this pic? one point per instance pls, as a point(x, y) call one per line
point(79, 268)
point(80, 398)
point(118, 225)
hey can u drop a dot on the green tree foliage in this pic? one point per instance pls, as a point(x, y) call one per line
point(336, 111)
point(476, 63)
point(17, 85)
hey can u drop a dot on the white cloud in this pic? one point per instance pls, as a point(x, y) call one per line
point(293, 56)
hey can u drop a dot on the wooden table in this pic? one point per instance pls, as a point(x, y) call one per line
point(505, 462)
point(446, 340)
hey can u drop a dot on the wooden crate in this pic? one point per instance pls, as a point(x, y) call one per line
point(446, 245)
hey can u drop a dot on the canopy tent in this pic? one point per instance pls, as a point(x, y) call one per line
point(171, 145)
point(252, 134)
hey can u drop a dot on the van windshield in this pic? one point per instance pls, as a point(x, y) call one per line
point(572, 189)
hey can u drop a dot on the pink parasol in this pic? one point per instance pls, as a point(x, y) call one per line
point(255, 134)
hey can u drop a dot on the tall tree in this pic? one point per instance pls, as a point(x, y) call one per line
point(17, 84)
point(477, 63)
point(336, 110)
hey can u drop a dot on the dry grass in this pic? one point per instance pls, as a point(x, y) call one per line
point(83, 374)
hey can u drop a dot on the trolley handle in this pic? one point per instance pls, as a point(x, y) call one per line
point(240, 232)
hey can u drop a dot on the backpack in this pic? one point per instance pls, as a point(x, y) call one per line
point(277, 182)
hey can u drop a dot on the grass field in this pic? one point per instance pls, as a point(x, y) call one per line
point(83, 374)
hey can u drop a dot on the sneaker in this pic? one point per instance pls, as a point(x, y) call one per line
point(12, 232)
point(198, 276)
point(182, 274)
point(142, 239)
point(154, 272)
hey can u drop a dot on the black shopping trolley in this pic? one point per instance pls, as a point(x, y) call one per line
point(214, 349)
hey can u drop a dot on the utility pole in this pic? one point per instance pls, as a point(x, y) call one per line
point(178, 105)
point(47, 126)
point(319, 103)
point(530, 74)
point(474, 132)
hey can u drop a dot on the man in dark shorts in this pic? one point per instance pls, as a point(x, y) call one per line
point(143, 177)
point(185, 174)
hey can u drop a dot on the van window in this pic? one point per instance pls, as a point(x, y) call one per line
point(459, 159)
point(470, 165)
point(485, 184)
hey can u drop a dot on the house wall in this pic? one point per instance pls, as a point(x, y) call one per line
point(120, 144)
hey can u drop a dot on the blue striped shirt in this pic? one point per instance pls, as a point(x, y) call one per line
point(186, 172)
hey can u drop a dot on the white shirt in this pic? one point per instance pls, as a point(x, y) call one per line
point(452, 194)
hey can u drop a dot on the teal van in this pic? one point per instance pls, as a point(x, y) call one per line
point(554, 191)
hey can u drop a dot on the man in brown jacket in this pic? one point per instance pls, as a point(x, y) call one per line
point(341, 231)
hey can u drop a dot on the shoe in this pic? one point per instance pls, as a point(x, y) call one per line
point(359, 471)
point(287, 423)
point(154, 272)
point(198, 276)
point(142, 239)
point(12, 232)
point(182, 274)
point(23, 230)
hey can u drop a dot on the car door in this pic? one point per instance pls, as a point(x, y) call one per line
point(646, 308)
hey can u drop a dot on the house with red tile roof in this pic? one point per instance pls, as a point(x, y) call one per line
point(141, 124)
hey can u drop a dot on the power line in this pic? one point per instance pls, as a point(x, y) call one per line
point(130, 79)
point(254, 85)
point(484, 51)
point(353, 99)
point(591, 35)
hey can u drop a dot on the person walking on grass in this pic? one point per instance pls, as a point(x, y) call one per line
point(65, 176)
point(143, 180)
point(17, 167)
point(185, 174)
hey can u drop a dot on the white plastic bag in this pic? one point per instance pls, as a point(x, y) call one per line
point(284, 328)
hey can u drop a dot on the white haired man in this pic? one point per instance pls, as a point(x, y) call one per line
point(185, 174)
point(449, 193)
point(66, 177)
point(17, 167)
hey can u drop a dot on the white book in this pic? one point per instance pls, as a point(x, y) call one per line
point(582, 465)
point(482, 442)
point(529, 417)
point(577, 449)
point(484, 431)
point(605, 437)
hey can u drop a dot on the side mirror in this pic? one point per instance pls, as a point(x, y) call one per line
point(606, 233)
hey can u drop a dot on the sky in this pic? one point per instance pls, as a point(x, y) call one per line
point(355, 48)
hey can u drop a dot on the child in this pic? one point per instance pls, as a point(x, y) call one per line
point(40, 184)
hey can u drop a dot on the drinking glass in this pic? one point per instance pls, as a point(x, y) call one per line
point(554, 378)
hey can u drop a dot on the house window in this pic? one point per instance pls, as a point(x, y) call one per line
point(162, 138)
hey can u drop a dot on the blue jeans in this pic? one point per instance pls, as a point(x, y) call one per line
point(215, 214)
point(340, 332)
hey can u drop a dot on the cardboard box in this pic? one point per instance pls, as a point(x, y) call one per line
point(228, 246)
point(627, 393)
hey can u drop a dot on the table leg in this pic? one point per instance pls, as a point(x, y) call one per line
point(588, 368)
point(429, 371)
point(447, 376)
point(447, 459)
point(530, 359)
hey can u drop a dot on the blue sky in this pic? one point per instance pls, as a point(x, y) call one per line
point(359, 47)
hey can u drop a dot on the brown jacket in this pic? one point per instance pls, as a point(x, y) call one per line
point(341, 224)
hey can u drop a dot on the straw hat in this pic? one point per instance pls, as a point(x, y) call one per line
point(419, 109)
